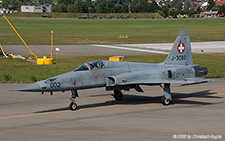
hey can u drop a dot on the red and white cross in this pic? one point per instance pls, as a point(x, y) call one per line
point(181, 48)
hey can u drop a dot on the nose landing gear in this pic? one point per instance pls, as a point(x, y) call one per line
point(73, 104)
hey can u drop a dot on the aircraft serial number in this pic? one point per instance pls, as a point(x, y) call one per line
point(178, 57)
point(54, 84)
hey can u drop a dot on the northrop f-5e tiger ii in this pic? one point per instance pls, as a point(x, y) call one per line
point(117, 76)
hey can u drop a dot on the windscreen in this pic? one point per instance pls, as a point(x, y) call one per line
point(94, 65)
point(83, 67)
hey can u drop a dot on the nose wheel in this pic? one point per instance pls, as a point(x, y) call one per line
point(73, 104)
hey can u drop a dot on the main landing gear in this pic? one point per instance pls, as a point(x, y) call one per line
point(73, 104)
point(166, 99)
point(118, 95)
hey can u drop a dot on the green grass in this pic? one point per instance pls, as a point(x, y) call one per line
point(16, 70)
point(36, 31)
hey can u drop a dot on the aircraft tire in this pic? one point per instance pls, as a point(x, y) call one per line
point(73, 106)
point(118, 95)
point(165, 101)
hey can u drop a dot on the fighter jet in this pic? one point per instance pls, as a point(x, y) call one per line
point(118, 76)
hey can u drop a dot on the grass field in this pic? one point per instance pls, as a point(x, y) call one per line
point(16, 70)
point(36, 31)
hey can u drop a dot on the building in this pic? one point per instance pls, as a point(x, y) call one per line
point(46, 8)
point(220, 2)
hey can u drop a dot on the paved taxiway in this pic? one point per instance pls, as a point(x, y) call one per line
point(119, 49)
point(198, 110)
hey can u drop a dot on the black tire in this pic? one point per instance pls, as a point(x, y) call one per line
point(165, 101)
point(118, 95)
point(73, 106)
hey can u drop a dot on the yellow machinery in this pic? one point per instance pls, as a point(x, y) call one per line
point(117, 58)
point(45, 60)
point(3, 51)
point(40, 61)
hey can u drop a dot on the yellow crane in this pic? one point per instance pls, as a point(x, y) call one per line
point(40, 61)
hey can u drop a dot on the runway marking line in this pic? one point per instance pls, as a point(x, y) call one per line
point(132, 49)
point(47, 113)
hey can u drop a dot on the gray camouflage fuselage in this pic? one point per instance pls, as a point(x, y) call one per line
point(115, 73)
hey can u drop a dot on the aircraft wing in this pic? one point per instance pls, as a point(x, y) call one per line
point(183, 82)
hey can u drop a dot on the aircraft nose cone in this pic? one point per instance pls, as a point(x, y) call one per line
point(32, 87)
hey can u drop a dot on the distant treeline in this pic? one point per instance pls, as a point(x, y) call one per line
point(166, 8)
point(102, 6)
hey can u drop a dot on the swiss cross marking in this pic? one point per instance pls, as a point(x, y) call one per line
point(181, 48)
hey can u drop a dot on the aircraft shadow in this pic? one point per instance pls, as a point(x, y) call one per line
point(138, 99)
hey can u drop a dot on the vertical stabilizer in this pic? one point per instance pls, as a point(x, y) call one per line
point(180, 54)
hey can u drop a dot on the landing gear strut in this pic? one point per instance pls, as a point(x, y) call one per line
point(73, 104)
point(166, 99)
point(118, 95)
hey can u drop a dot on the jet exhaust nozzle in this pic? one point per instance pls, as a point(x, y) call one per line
point(200, 71)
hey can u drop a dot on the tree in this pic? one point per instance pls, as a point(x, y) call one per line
point(4, 3)
point(85, 8)
point(78, 7)
point(101, 7)
point(141, 2)
point(61, 8)
point(45, 1)
point(154, 6)
point(110, 7)
point(211, 4)
point(222, 10)
point(125, 8)
point(69, 8)
point(137, 8)
point(145, 8)
point(199, 10)
point(160, 12)
point(66, 2)
point(177, 4)
point(186, 5)
point(165, 10)
point(173, 13)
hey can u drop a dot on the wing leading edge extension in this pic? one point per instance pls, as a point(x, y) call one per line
point(183, 82)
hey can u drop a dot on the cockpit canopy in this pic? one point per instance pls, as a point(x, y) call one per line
point(94, 65)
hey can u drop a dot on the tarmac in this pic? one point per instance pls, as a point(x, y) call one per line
point(118, 49)
point(197, 114)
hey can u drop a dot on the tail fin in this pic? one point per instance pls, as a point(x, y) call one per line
point(180, 53)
